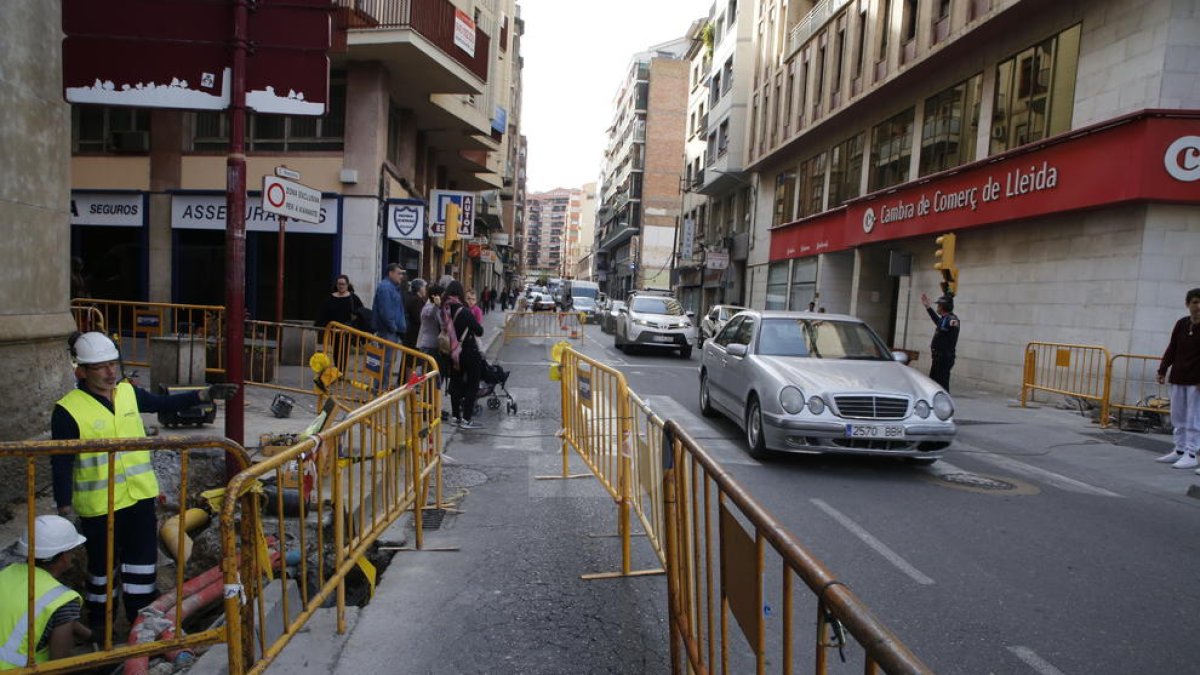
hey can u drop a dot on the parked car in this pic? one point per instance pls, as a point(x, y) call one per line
point(608, 320)
point(541, 302)
point(588, 307)
point(802, 383)
point(712, 322)
point(655, 322)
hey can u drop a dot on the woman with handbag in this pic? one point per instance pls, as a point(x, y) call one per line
point(466, 357)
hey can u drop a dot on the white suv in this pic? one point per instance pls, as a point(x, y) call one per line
point(654, 321)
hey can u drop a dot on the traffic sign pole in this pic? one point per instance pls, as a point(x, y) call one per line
point(235, 239)
point(279, 281)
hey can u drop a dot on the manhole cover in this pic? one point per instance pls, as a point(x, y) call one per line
point(458, 476)
point(431, 519)
point(973, 480)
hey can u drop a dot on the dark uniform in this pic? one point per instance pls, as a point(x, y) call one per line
point(945, 341)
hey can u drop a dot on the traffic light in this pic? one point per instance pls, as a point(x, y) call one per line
point(943, 261)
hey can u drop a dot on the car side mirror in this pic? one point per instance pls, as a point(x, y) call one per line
point(900, 357)
point(737, 349)
point(691, 314)
point(621, 310)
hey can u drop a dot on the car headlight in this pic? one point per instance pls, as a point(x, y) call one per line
point(792, 399)
point(921, 409)
point(642, 322)
point(816, 405)
point(943, 407)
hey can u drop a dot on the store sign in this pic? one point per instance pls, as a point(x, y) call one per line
point(487, 255)
point(500, 239)
point(406, 219)
point(207, 212)
point(464, 32)
point(1159, 161)
point(716, 260)
point(463, 212)
point(687, 239)
point(107, 209)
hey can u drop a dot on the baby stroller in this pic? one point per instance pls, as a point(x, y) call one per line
point(494, 376)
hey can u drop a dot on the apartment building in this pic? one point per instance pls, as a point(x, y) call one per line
point(1057, 140)
point(640, 189)
point(717, 200)
point(423, 95)
point(549, 217)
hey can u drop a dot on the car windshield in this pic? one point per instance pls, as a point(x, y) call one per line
point(618, 304)
point(584, 302)
point(584, 292)
point(821, 339)
point(727, 312)
point(651, 305)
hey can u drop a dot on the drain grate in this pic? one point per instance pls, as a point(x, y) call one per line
point(431, 519)
point(973, 480)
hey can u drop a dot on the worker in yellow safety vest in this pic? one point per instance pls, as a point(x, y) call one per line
point(105, 405)
point(56, 608)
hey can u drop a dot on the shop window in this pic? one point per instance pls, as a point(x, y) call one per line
point(278, 133)
point(812, 186)
point(845, 170)
point(951, 126)
point(804, 283)
point(777, 286)
point(785, 197)
point(1035, 92)
point(104, 129)
point(891, 149)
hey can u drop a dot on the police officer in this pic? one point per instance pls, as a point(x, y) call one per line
point(104, 405)
point(945, 338)
point(56, 607)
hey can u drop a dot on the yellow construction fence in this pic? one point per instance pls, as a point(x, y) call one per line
point(1116, 383)
point(543, 325)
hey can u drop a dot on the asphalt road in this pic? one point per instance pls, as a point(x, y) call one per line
point(1036, 546)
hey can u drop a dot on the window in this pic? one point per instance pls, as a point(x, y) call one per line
point(861, 50)
point(951, 126)
point(819, 89)
point(910, 20)
point(845, 170)
point(804, 283)
point(812, 186)
point(266, 133)
point(885, 19)
point(1035, 92)
point(891, 149)
point(727, 76)
point(730, 330)
point(723, 138)
point(777, 285)
point(838, 58)
point(104, 129)
point(785, 197)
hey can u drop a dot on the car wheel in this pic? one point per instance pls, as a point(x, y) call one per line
point(754, 429)
point(686, 352)
point(706, 408)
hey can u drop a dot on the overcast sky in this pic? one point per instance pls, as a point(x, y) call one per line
point(576, 53)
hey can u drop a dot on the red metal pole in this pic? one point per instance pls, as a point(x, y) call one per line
point(279, 281)
point(235, 236)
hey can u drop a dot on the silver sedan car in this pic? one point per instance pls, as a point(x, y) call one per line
point(800, 382)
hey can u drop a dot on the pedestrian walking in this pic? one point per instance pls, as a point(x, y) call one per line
point(56, 609)
point(945, 338)
point(464, 381)
point(341, 305)
point(387, 313)
point(105, 405)
point(1180, 366)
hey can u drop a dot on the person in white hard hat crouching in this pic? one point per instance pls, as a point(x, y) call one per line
point(56, 607)
point(104, 405)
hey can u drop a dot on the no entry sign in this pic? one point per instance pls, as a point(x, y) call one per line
point(287, 198)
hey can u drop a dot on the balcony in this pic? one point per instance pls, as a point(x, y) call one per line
point(415, 39)
point(812, 22)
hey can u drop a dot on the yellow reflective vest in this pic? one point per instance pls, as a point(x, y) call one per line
point(133, 474)
point(49, 594)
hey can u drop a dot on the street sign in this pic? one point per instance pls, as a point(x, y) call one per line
point(287, 198)
point(155, 54)
point(284, 172)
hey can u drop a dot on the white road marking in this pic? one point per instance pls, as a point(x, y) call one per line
point(1048, 477)
point(868, 539)
point(1034, 661)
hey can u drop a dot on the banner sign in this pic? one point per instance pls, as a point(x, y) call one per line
point(405, 219)
point(487, 255)
point(465, 203)
point(207, 212)
point(107, 209)
point(687, 239)
point(716, 260)
point(464, 32)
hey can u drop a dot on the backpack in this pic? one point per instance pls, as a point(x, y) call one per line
point(453, 341)
point(444, 344)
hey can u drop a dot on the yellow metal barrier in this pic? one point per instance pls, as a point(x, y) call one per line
point(543, 325)
point(727, 556)
point(1133, 387)
point(361, 360)
point(348, 484)
point(276, 356)
point(1080, 371)
point(188, 451)
point(134, 323)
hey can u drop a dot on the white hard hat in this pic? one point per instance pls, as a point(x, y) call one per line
point(52, 535)
point(94, 348)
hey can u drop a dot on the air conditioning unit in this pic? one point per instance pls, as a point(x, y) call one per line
point(130, 141)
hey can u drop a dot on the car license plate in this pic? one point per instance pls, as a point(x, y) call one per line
point(664, 338)
point(880, 431)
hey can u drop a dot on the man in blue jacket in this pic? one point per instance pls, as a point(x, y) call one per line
point(387, 312)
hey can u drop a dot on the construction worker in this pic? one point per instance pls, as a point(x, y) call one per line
point(104, 405)
point(56, 607)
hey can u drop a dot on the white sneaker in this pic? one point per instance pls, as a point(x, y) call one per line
point(468, 424)
point(1188, 461)
point(1171, 457)
point(456, 421)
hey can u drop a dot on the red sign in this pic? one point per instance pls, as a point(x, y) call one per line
point(1140, 158)
point(156, 54)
